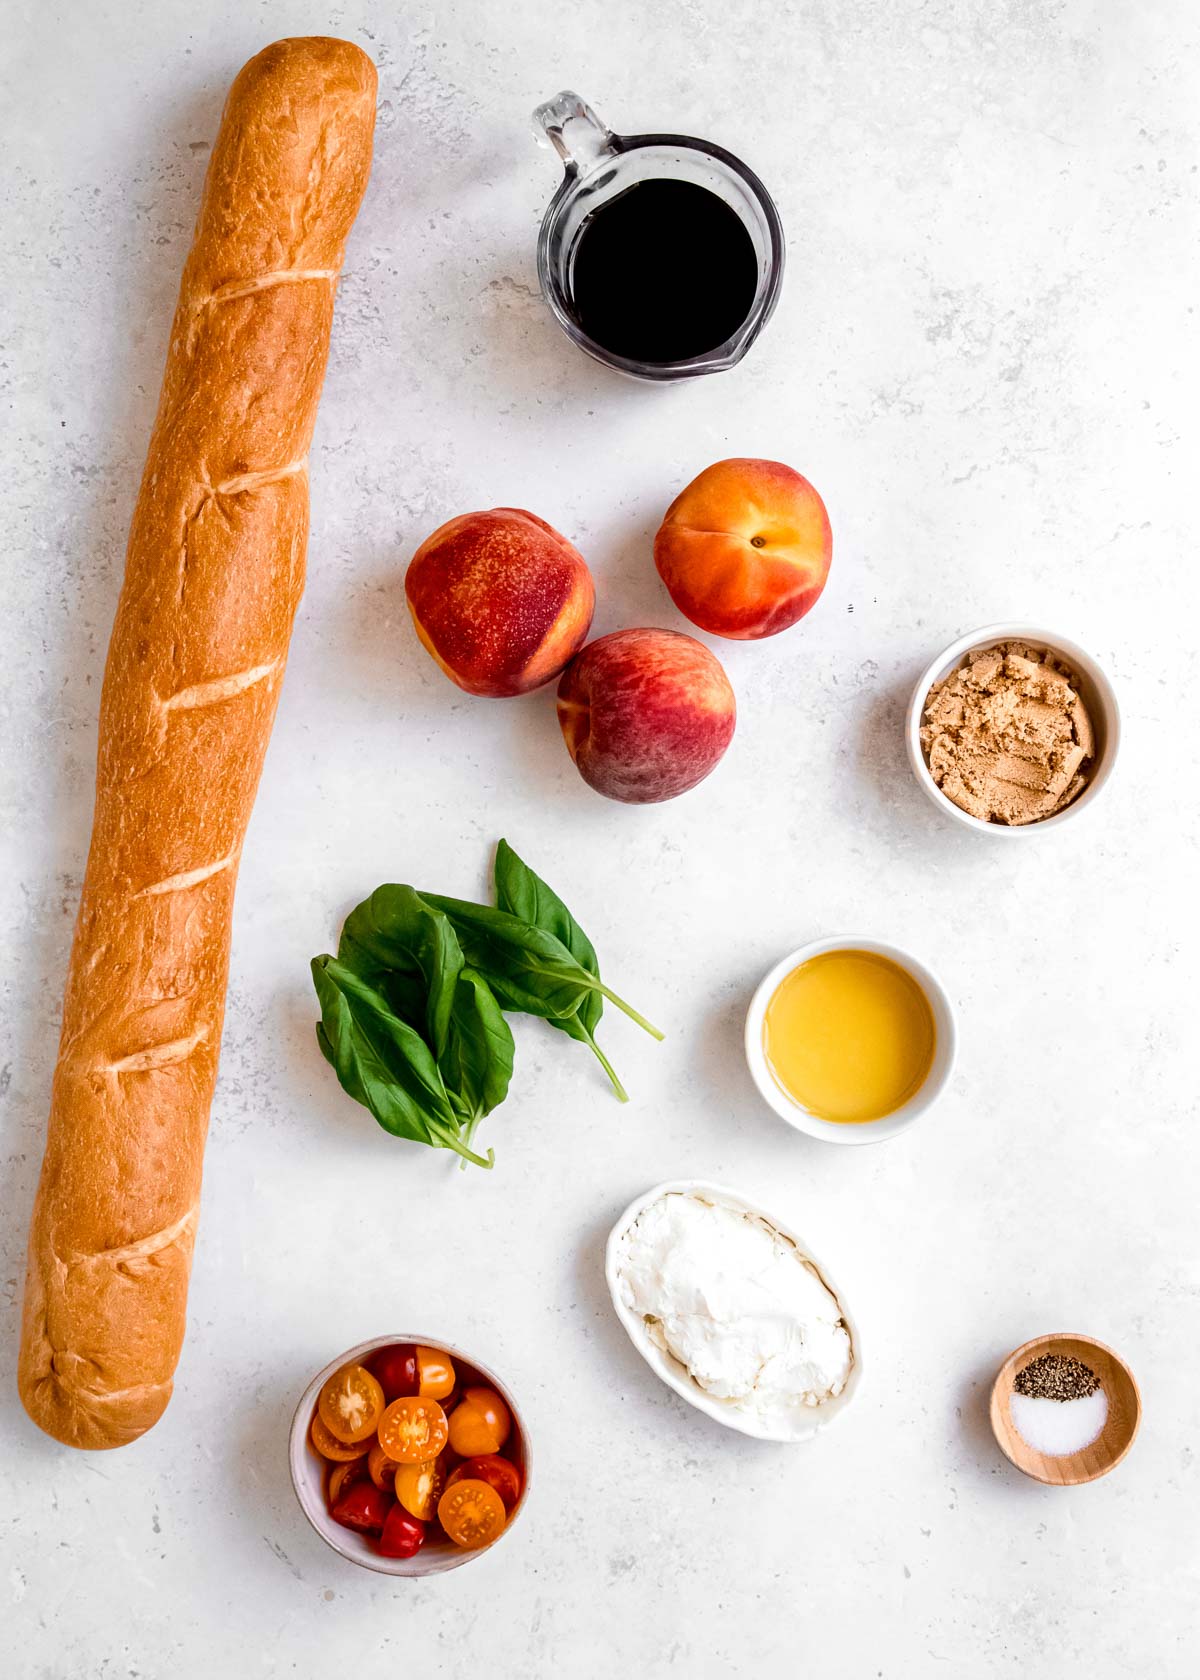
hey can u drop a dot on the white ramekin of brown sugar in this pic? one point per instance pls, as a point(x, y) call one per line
point(941, 780)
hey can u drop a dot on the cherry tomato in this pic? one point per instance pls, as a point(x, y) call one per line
point(341, 1475)
point(396, 1369)
point(328, 1445)
point(418, 1487)
point(380, 1468)
point(362, 1506)
point(497, 1472)
point(479, 1423)
point(471, 1512)
point(435, 1373)
point(403, 1536)
point(351, 1404)
point(413, 1430)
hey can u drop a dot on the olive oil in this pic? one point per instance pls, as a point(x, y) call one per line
point(663, 272)
point(849, 1036)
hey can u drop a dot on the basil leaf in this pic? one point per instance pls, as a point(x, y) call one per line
point(412, 1006)
point(478, 1063)
point(382, 1061)
point(410, 953)
point(527, 968)
point(521, 892)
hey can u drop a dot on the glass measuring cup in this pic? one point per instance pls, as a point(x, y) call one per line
point(599, 166)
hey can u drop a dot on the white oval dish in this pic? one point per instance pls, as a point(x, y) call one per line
point(1098, 696)
point(674, 1374)
point(864, 1131)
point(308, 1471)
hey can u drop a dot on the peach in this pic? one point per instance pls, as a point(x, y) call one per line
point(646, 714)
point(745, 549)
point(500, 600)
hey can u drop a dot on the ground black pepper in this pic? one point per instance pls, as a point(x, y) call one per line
point(1053, 1376)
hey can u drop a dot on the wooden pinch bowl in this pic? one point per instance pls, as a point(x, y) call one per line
point(1113, 1441)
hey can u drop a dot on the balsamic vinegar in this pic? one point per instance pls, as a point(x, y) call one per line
point(663, 272)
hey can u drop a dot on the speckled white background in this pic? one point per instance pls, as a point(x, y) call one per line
point(985, 358)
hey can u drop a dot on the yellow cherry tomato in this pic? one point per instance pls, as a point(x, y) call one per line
point(413, 1430)
point(435, 1373)
point(480, 1423)
point(341, 1475)
point(380, 1467)
point(351, 1404)
point(419, 1487)
point(328, 1445)
point(471, 1512)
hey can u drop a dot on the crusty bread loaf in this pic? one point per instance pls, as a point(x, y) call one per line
point(213, 577)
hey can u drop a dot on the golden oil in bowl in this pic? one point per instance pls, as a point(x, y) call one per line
point(849, 1035)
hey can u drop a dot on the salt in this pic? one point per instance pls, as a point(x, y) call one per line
point(1059, 1427)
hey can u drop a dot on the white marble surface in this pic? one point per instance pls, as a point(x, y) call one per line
point(985, 359)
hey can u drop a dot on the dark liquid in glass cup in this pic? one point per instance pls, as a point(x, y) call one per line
point(663, 272)
point(661, 256)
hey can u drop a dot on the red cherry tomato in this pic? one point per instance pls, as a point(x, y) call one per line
point(396, 1369)
point(479, 1424)
point(362, 1506)
point(403, 1534)
point(497, 1472)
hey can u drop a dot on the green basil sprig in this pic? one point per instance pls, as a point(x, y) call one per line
point(524, 894)
point(384, 1063)
point(412, 1007)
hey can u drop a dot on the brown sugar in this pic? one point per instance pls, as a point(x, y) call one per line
point(1007, 736)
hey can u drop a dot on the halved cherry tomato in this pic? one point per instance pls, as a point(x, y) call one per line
point(479, 1423)
point(497, 1472)
point(418, 1487)
point(403, 1536)
point(435, 1373)
point(328, 1445)
point(362, 1506)
point(396, 1369)
point(341, 1475)
point(413, 1430)
point(471, 1512)
point(381, 1468)
point(351, 1404)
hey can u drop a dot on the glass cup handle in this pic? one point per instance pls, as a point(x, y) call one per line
point(581, 140)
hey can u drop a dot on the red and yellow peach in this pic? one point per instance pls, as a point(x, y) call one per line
point(646, 714)
point(500, 600)
point(745, 549)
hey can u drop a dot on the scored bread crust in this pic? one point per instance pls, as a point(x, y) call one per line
point(214, 572)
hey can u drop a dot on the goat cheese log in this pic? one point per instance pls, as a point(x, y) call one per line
point(213, 577)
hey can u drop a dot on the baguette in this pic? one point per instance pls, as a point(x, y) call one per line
point(213, 576)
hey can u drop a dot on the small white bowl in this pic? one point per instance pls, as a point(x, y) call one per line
point(864, 1131)
point(677, 1376)
point(308, 1470)
point(1098, 697)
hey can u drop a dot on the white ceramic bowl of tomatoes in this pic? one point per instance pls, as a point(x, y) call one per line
point(408, 1457)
